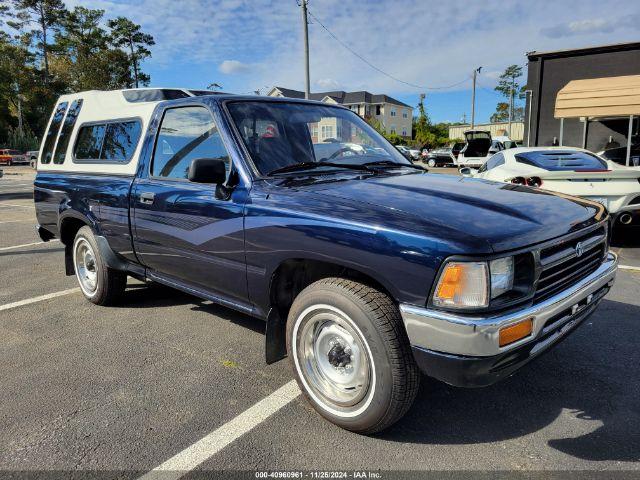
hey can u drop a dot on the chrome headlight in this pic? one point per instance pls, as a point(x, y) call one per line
point(473, 284)
point(502, 272)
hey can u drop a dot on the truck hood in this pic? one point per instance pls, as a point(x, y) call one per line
point(506, 216)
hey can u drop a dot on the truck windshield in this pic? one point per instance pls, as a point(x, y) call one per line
point(279, 135)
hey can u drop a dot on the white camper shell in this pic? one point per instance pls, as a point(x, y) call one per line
point(107, 114)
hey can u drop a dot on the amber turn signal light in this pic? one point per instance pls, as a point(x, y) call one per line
point(515, 332)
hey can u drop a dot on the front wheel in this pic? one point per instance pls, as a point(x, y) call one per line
point(351, 354)
point(431, 162)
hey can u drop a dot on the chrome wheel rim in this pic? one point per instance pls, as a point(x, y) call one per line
point(86, 268)
point(333, 358)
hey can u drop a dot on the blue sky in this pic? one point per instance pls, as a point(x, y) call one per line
point(246, 45)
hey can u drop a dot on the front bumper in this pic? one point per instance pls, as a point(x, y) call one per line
point(463, 350)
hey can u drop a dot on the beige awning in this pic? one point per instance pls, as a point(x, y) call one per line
point(599, 97)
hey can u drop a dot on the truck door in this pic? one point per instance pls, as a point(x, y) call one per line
point(190, 233)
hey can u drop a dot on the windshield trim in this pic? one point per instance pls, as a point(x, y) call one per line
point(279, 100)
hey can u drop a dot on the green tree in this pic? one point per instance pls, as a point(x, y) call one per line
point(126, 34)
point(16, 63)
point(44, 16)
point(421, 129)
point(46, 50)
point(502, 113)
point(88, 62)
point(508, 83)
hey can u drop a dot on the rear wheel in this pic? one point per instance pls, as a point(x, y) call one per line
point(99, 283)
point(431, 162)
point(351, 354)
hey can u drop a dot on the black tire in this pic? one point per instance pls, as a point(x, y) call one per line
point(432, 163)
point(393, 379)
point(109, 283)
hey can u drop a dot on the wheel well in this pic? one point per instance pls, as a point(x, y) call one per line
point(289, 279)
point(294, 275)
point(68, 229)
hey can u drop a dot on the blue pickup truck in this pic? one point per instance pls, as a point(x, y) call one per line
point(366, 269)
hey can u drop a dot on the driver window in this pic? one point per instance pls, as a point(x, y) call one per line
point(186, 133)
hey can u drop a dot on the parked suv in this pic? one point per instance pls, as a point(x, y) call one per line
point(366, 269)
point(442, 157)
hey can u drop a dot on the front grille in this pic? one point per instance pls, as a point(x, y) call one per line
point(561, 267)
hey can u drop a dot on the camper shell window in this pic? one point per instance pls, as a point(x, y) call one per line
point(107, 142)
point(65, 132)
point(52, 133)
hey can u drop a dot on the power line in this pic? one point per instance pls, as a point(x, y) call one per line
point(422, 87)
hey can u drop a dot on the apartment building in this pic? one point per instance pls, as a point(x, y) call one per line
point(394, 115)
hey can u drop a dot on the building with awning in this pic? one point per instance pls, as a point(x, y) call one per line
point(600, 99)
point(587, 97)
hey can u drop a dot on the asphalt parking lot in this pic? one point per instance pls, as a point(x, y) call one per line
point(127, 388)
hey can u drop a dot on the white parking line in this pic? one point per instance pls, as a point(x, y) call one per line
point(16, 221)
point(28, 301)
point(9, 184)
point(629, 267)
point(13, 247)
point(205, 448)
point(15, 205)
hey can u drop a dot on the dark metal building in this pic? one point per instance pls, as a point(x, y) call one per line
point(549, 72)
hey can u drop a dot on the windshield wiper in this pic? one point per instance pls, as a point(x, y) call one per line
point(313, 165)
point(392, 164)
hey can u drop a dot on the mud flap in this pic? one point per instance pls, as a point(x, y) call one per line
point(276, 337)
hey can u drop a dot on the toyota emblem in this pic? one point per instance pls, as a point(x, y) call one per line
point(579, 249)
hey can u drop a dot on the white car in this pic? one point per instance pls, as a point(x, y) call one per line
point(412, 152)
point(572, 171)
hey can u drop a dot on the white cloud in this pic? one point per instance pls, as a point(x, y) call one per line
point(580, 27)
point(593, 26)
point(391, 34)
point(231, 67)
point(328, 84)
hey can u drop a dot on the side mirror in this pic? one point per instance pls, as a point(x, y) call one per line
point(207, 170)
point(468, 172)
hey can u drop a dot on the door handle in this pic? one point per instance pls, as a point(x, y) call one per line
point(147, 197)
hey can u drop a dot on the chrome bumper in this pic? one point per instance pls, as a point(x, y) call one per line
point(477, 336)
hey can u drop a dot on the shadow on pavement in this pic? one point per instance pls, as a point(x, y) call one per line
point(30, 251)
point(594, 376)
point(628, 237)
point(17, 196)
point(594, 379)
point(155, 295)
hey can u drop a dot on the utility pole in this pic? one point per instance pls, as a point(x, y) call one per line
point(305, 25)
point(511, 105)
point(19, 97)
point(473, 97)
